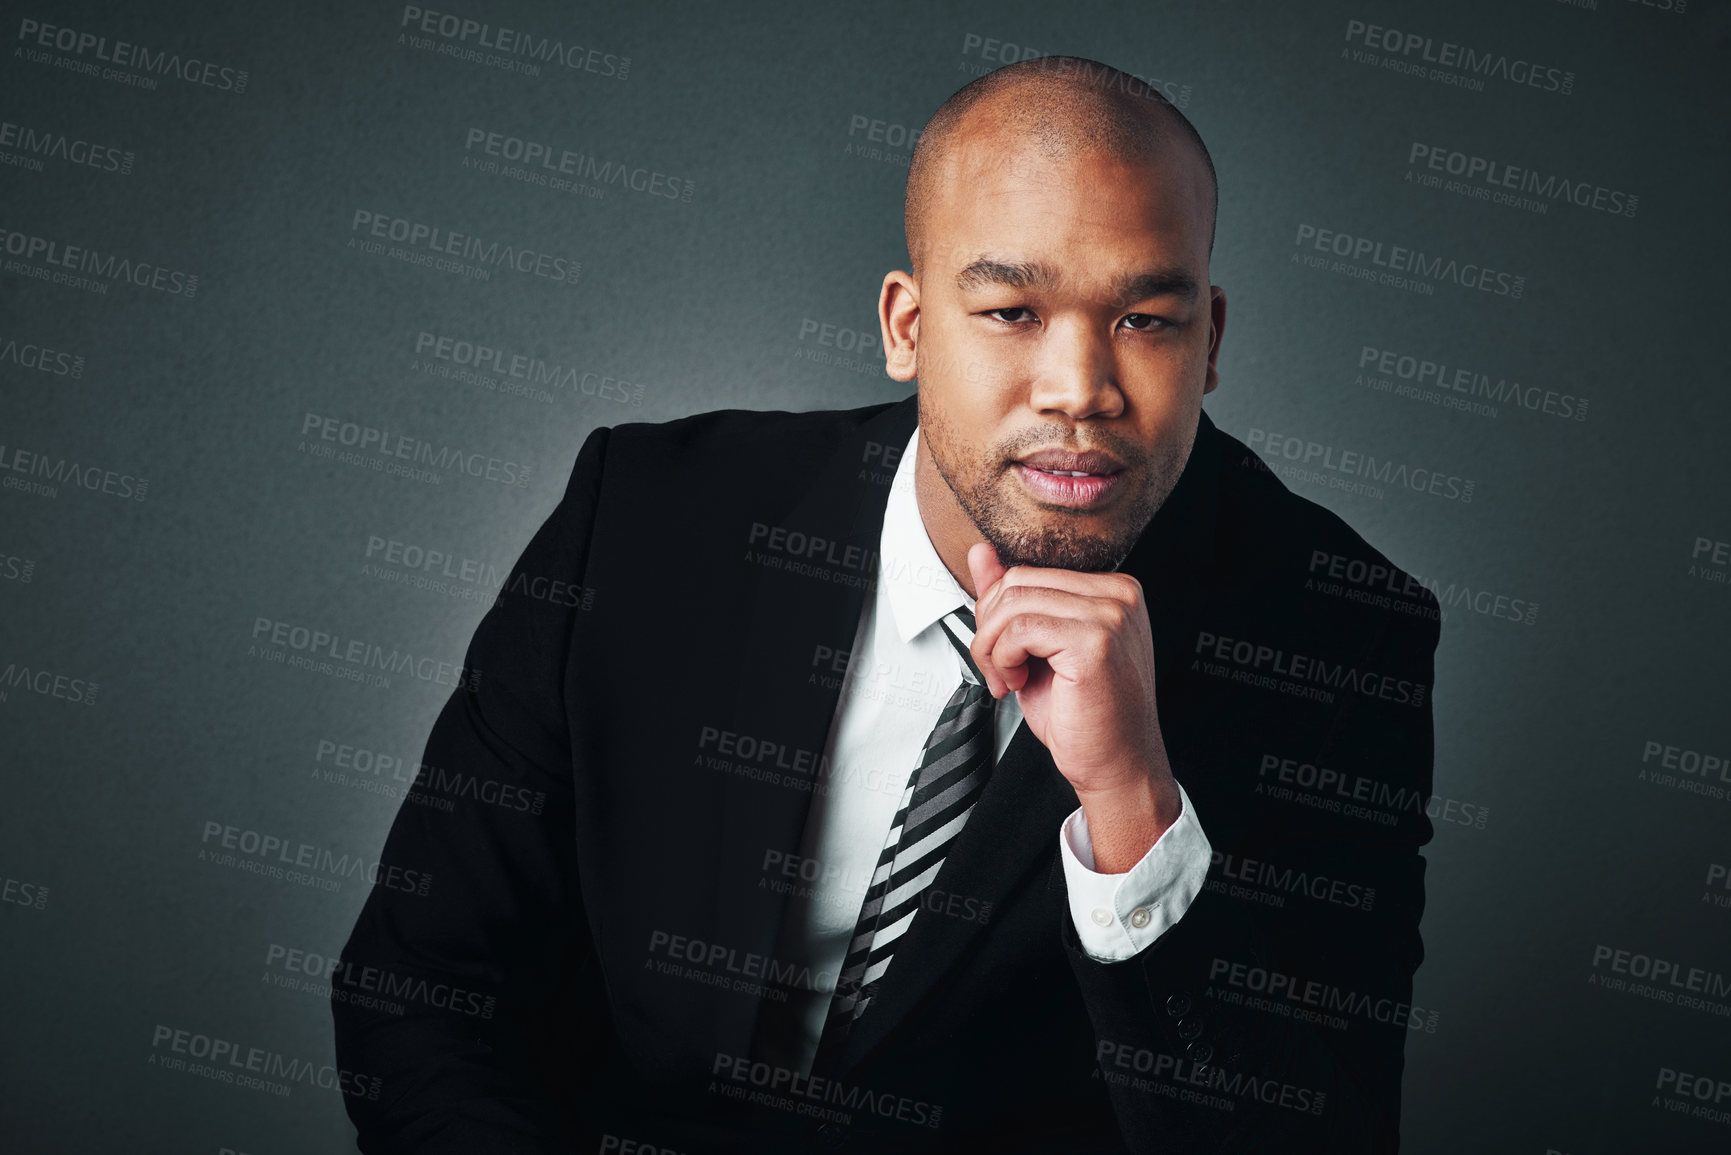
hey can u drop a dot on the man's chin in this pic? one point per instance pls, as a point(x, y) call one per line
point(1057, 545)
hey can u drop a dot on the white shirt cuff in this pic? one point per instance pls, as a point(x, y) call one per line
point(1119, 915)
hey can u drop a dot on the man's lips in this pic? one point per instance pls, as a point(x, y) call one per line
point(1073, 489)
point(1063, 462)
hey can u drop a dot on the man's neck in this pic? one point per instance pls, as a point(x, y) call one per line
point(951, 530)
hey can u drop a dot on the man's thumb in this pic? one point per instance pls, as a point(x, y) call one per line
point(983, 564)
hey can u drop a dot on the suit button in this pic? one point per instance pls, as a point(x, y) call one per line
point(1189, 1028)
point(1178, 1004)
point(832, 1136)
point(1199, 1052)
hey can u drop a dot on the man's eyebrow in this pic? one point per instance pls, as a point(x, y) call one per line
point(1156, 283)
point(988, 271)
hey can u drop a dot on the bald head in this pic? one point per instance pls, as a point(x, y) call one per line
point(1061, 106)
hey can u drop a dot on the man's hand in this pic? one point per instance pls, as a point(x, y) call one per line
point(1077, 650)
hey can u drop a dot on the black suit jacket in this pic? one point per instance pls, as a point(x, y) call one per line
point(642, 733)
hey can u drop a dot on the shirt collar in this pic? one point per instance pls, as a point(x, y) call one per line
point(920, 587)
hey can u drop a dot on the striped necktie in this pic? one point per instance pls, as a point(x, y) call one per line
point(954, 766)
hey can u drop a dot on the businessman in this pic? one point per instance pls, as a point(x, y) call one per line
point(1015, 767)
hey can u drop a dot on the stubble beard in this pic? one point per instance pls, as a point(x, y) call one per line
point(994, 500)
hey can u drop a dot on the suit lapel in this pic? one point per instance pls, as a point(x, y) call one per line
point(1008, 836)
point(1013, 829)
point(777, 695)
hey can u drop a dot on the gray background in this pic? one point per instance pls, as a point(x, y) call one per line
point(115, 925)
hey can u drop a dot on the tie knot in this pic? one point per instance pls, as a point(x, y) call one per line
point(958, 626)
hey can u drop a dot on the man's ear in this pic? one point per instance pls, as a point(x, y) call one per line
point(1217, 331)
point(899, 320)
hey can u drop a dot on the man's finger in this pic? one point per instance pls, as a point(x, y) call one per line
point(1120, 588)
point(1016, 602)
point(1033, 635)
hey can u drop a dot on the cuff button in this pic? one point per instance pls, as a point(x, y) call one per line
point(1101, 916)
point(1140, 917)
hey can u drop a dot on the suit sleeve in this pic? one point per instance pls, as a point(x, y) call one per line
point(1285, 1031)
point(456, 980)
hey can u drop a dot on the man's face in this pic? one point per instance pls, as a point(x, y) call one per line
point(1064, 323)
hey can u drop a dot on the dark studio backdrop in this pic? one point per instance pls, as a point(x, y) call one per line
point(242, 246)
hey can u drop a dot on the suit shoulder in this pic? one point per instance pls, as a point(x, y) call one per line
point(717, 434)
point(693, 478)
point(1294, 543)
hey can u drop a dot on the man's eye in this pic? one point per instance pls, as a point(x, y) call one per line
point(1000, 314)
point(1143, 322)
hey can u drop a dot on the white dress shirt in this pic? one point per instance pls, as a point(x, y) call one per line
point(901, 673)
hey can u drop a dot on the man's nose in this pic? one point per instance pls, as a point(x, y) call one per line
point(1077, 372)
